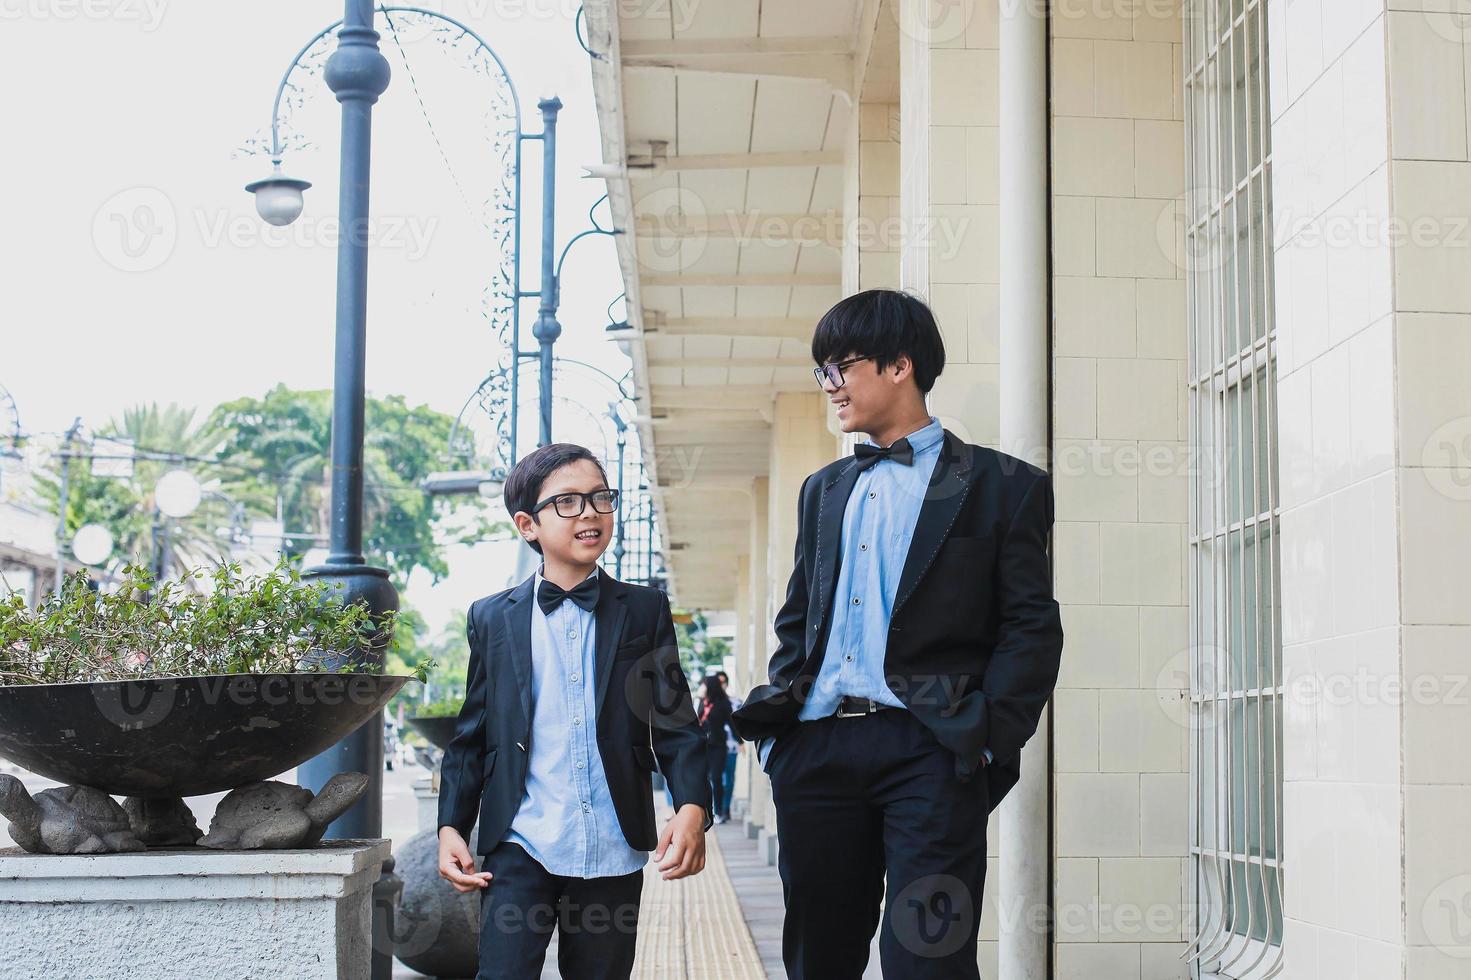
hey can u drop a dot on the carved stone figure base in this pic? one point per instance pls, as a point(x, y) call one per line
point(162, 821)
point(65, 820)
point(277, 815)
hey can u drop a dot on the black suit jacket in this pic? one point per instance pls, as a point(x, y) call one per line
point(645, 715)
point(975, 638)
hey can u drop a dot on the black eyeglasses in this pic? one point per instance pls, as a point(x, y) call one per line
point(573, 504)
point(832, 374)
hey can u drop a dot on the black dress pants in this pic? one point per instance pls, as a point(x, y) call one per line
point(596, 918)
point(869, 808)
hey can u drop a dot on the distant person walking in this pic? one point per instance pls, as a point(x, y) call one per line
point(732, 745)
point(715, 711)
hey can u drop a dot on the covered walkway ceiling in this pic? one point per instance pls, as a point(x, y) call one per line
point(724, 127)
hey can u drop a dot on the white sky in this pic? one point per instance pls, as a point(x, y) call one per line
point(123, 117)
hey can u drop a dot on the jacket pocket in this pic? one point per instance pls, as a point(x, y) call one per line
point(635, 647)
point(645, 757)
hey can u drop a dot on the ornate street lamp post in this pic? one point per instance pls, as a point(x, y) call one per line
point(357, 73)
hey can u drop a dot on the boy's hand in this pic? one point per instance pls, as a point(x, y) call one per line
point(456, 865)
point(684, 841)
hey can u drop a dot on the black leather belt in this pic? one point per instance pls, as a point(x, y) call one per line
point(851, 707)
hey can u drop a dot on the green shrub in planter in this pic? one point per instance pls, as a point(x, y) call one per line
point(258, 624)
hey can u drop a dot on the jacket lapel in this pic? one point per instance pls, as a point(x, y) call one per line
point(518, 628)
point(830, 510)
point(948, 487)
point(608, 617)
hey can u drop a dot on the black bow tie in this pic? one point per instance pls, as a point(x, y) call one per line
point(584, 594)
point(900, 452)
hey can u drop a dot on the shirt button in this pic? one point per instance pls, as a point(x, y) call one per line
point(849, 658)
point(576, 721)
point(573, 678)
point(863, 547)
point(571, 634)
point(579, 764)
point(870, 495)
point(857, 601)
point(585, 806)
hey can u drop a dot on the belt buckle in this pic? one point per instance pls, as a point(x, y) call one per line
point(840, 713)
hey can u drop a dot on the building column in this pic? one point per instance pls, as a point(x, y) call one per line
point(740, 675)
point(1372, 188)
point(801, 444)
point(758, 649)
point(1026, 823)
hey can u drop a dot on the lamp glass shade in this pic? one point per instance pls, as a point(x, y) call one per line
point(278, 204)
point(92, 544)
point(278, 198)
point(178, 493)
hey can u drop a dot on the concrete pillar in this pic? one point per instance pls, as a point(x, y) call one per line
point(1374, 409)
point(760, 646)
point(1025, 816)
point(802, 444)
point(740, 678)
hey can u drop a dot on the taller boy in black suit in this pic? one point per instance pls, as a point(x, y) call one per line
point(574, 695)
point(916, 648)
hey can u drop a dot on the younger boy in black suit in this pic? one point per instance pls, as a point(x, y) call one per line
point(574, 696)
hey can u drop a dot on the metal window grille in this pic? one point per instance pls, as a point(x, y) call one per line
point(1235, 696)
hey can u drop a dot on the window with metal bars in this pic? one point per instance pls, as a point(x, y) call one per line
point(1235, 633)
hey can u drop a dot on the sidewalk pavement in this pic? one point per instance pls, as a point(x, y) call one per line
point(722, 924)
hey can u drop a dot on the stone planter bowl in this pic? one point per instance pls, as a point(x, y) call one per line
point(184, 736)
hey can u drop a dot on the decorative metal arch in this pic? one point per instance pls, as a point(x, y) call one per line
point(501, 299)
point(10, 436)
point(487, 399)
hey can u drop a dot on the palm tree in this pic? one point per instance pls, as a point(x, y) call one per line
point(164, 438)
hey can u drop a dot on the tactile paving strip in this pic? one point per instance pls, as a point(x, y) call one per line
point(692, 929)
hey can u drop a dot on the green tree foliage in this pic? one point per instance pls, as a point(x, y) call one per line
point(699, 653)
point(285, 439)
point(449, 652)
point(260, 456)
point(125, 506)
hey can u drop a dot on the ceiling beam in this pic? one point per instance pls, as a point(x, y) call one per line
point(655, 322)
point(823, 59)
point(726, 362)
point(647, 165)
point(738, 279)
point(725, 397)
point(823, 228)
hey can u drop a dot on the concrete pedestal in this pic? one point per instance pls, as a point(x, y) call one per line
point(426, 794)
point(767, 845)
point(190, 912)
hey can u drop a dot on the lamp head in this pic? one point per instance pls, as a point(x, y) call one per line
point(278, 198)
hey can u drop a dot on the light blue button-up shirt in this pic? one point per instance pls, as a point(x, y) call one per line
point(878, 524)
point(566, 820)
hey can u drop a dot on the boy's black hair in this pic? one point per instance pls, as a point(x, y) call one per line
point(523, 485)
point(882, 324)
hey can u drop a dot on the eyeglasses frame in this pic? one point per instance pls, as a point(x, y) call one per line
point(586, 500)
point(820, 373)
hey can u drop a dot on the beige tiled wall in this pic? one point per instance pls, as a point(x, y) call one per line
point(1121, 783)
point(878, 195)
point(949, 193)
